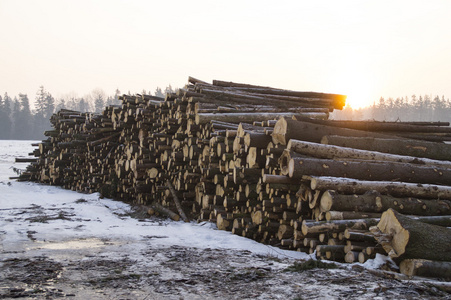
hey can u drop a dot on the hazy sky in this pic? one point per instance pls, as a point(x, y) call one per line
point(365, 49)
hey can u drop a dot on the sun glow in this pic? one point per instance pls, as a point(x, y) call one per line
point(358, 87)
point(357, 98)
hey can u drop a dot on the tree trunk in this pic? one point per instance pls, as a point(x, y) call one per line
point(408, 147)
point(364, 170)
point(395, 189)
point(286, 129)
point(405, 237)
point(251, 117)
point(333, 152)
point(177, 201)
point(378, 126)
point(349, 215)
point(376, 203)
point(426, 268)
point(337, 226)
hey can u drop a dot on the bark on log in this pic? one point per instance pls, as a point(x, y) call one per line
point(426, 268)
point(416, 148)
point(373, 201)
point(250, 117)
point(349, 215)
point(334, 152)
point(404, 237)
point(396, 189)
point(165, 212)
point(364, 170)
point(337, 226)
point(177, 201)
point(339, 100)
point(286, 129)
point(381, 126)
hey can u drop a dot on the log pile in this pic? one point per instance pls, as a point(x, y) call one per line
point(264, 163)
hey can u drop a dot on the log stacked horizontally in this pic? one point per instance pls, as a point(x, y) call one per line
point(264, 163)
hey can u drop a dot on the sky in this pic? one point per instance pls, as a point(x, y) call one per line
point(364, 49)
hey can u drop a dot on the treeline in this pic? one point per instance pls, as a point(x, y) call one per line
point(18, 121)
point(422, 108)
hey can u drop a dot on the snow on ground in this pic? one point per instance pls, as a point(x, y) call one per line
point(59, 243)
point(95, 218)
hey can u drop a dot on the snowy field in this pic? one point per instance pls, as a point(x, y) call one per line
point(106, 217)
point(57, 243)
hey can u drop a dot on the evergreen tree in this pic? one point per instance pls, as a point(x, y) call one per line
point(45, 105)
point(168, 90)
point(49, 106)
point(23, 124)
point(61, 104)
point(159, 92)
point(99, 104)
point(4, 121)
point(99, 98)
point(40, 102)
point(83, 105)
point(15, 116)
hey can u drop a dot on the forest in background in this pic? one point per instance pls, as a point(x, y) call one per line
point(18, 121)
point(422, 108)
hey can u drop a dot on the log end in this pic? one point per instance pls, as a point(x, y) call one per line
point(409, 266)
point(390, 226)
point(304, 228)
point(326, 201)
point(291, 168)
point(279, 132)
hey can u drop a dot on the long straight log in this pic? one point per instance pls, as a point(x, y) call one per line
point(334, 152)
point(375, 202)
point(337, 225)
point(377, 126)
point(365, 170)
point(338, 99)
point(286, 129)
point(396, 189)
point(26, 160)
point(408, 147)
point(251, 117)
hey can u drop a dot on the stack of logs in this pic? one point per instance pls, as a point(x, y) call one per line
point(264, 163)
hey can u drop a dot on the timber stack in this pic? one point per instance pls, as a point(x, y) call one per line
point(264, 163)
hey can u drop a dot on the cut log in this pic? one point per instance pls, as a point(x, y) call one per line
point(337, 226)
point(339, 100)
point(286, 129)
point(396, 189)
point(373, 201)
point(164, 211)
point(380, 126)
point(349, 215)
point(250, 117)
point(334, 152)
point(177, 201)
point(364, 170)
point(408, 147)
point(426, 268)
point(404, 237)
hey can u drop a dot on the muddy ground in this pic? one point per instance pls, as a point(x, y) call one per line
point(124, 269)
